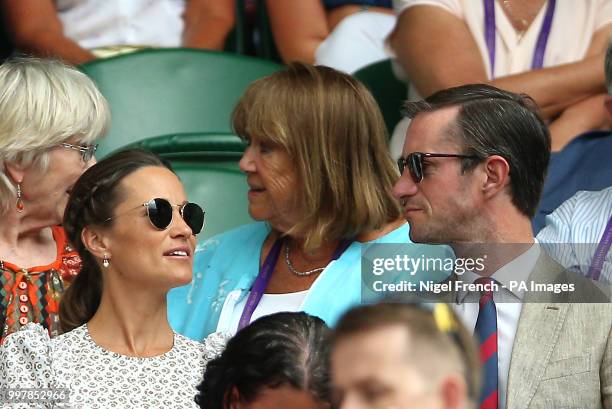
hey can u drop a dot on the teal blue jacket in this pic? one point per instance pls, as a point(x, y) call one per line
point(230, 261)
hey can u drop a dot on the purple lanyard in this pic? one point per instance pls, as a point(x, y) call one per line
point(265, 272)
point(600, 253)
point(538, 55)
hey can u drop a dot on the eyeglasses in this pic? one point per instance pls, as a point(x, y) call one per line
point(160, 212)
point(87, 152)
point(415, 164)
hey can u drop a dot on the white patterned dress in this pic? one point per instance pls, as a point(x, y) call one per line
point(88, 376)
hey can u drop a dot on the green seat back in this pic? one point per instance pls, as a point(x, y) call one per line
point(389, 92)
point(221, 192)
point(214, 148)
point(161, 91)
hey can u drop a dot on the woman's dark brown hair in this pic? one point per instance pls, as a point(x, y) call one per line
point(92, 202)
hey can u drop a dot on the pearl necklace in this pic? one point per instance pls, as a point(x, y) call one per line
point(296, 272)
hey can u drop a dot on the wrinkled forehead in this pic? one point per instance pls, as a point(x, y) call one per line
point(433, 131)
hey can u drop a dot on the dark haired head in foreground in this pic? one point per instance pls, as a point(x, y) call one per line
point(404, 356)
point(278, 361)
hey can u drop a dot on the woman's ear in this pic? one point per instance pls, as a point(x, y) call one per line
point(234, 399)
point(14, 172)
point(96, 242)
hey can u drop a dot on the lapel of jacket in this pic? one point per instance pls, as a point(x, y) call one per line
point(538, 331)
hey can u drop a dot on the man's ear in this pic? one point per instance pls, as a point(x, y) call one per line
point(14, 172)
point(96, 242)
point(497, 172)
point(453, 392)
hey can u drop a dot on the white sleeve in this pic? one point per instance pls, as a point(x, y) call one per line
point(214, 344)
point(25, 364)
point(452, 6)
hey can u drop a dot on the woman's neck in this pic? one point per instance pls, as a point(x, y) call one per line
point(24, 241)
point(132, 321)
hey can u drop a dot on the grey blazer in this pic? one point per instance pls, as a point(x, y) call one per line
point(562, 353)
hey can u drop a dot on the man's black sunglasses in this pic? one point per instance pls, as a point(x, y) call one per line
point(414, 162)
point(160, 212)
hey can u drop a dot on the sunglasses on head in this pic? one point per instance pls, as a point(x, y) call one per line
point(414, 162)
point(160, 213)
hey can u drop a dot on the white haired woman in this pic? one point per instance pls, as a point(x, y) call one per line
point(52, 115)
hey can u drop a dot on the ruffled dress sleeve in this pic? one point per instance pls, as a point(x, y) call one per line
point(214, 344)
point(24, 365)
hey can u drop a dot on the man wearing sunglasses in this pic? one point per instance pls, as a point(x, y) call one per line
point(473, 165)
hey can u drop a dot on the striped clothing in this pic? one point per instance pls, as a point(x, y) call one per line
point(574, 230)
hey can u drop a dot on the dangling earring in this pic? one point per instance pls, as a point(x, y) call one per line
point(19, 204)
point(105, 261)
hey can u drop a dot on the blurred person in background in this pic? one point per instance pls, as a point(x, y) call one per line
point(52, 115)
point(72, 29)
point(551, 50)
point(320, 181)
point(578, 234)
point(343, 34)
point(136, 240)
point(279, 361)
point(404, 356)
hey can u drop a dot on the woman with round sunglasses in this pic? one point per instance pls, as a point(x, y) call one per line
point(136, 240)
point(52, 115)
point(320, 179)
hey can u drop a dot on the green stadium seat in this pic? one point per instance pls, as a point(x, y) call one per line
point(388, 91)
point(216, 149)
point(222, 193)
point(162, 91)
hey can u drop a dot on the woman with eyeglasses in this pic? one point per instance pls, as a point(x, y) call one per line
point(51, 115)
point(136, 239)
point(320, 179)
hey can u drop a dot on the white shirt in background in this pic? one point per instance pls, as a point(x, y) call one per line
point(104, 23)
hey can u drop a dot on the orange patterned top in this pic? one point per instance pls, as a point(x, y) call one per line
point(33, 294)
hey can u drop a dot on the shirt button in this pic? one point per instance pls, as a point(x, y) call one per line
point(23, 320)
point(23, 285)
point(24, 309)
point(23, 298)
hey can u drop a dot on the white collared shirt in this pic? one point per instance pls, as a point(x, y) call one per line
point(508, 305)
point(103, 23)
point(574, 230)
